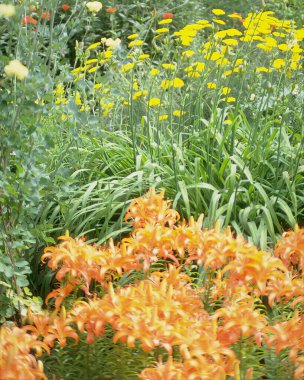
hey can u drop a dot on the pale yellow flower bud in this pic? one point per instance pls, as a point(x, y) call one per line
point(94, 6)
point(113, 44)
point(17, 69)
point(7, 10)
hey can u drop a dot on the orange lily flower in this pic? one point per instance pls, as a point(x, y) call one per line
point(290, 248)
point(151, 209)
point(16, 359)
point(60, 330)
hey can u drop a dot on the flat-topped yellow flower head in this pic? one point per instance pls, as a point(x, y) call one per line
point(7, 10)
point(17, 69)
point(94, 6)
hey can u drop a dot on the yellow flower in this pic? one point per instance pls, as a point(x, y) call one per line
point(144, 56)
point(65, 117)
point(127, 67)
point(235, 15)
point(199, 66)
point(233, 32)
point(163, 117)
point(59, 89)
point(136, 43)
point(265, 47)
point(167, 21)
point(139, 94)
point(299, 34)
point(168, 66)
point(154, 72)
point(165, 84)
point(94, 60)
point(162, 30)
point(230, 99)
point(7, 10)
point(93, 46)
point(76, 71)
point(132, 36)
point(213, 56)
point(16, 69)
point(93, 69)
point(296, 49)
point(85, 68)
point(224, 50)
point(79, 77)
point(202, 22)
point(40, 102)
point(154, 102)
point(97, 86)
point(230, 41)
point(78, 99)
point(107, 105)
point(193, 74)
point(284, 47)
point(229, 72)
point(278, 63)
point(108, 54)
point(178, 113)
point(217, 21)
point(94, 6)
point(189, 68)
point(296, 57)
point(270, 41)
point(177, 83)
point(218, 12)
point(188, 53)
point(226, 90)
point(211, 85)
point(263, 70)
point(186, 41)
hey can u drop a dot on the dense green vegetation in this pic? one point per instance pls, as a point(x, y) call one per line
point(99, 105)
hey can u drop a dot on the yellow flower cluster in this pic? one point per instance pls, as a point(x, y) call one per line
point(211, 60)
point(176, 83)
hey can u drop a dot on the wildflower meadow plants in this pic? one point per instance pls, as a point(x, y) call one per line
point(211, 111)
point(101, 101)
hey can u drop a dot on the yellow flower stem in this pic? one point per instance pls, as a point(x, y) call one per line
point(131, 118)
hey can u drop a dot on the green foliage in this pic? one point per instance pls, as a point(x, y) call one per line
point(247, 190)
point(102, 360)
point(24, 178)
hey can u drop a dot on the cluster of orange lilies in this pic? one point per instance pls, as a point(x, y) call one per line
point(168, 308)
